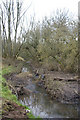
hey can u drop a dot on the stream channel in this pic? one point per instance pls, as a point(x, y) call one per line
point(42, 105)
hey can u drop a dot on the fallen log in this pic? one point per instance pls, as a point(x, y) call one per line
point(65, 79)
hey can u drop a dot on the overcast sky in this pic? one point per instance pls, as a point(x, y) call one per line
point(43, 8)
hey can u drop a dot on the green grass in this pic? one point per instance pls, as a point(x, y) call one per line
point(7, 70)
point(6, 92)
point(30, 115)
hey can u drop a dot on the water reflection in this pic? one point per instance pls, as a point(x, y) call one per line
point(41, 104)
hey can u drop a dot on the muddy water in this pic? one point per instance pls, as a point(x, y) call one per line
point(42, 105)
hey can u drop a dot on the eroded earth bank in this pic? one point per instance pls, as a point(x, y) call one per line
point(34, 84)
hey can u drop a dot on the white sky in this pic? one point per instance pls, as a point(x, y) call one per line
point(43, 8)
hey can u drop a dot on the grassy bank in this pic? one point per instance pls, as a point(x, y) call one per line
point(6, 92)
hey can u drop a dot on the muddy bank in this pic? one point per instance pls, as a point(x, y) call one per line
point(13, 111)
point(12, 87)
point(60, 86)
point(41, 103)
point(62, 89)
point(11, 108)
point(18, 82)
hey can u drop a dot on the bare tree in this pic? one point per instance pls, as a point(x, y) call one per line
point(11, 14)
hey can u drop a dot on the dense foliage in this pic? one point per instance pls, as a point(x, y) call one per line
point(52, 43)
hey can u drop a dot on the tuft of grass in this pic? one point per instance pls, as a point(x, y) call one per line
point(30, 115)
point(7, 70)
point(6, 92)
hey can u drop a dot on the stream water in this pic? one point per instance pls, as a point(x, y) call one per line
point(42, 105)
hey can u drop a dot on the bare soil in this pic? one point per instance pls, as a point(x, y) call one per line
point(13, 111)
point(63, 87)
